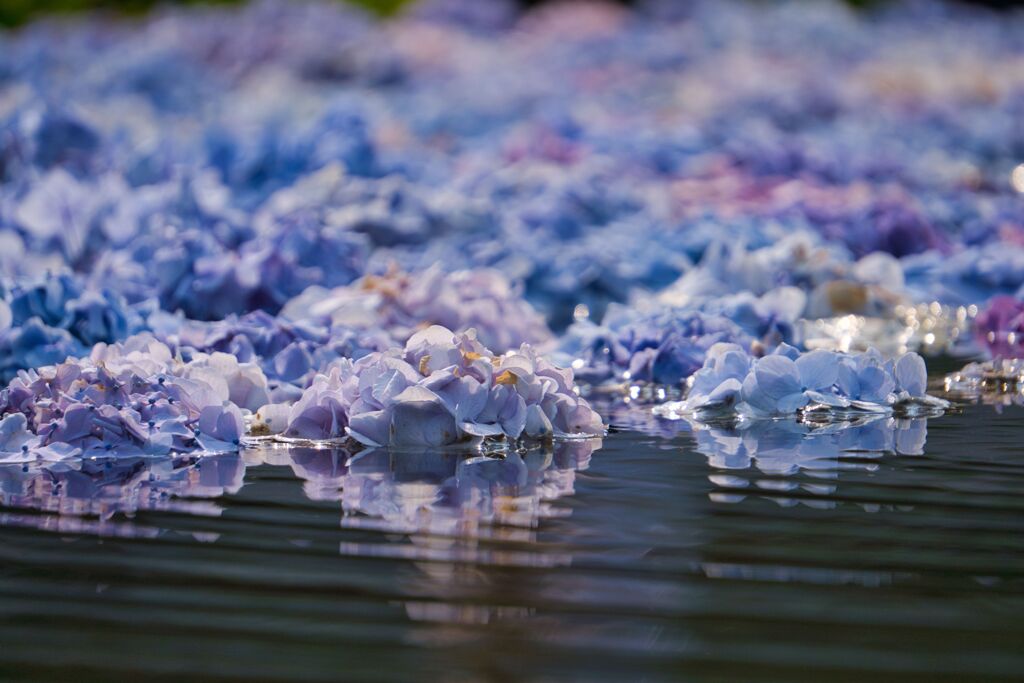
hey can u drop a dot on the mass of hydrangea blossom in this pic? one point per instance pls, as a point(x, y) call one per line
point(1000, 327)
point(399, 303)
point(786, 382)
point(441, 389)
point(132, 398)
point(399, 231)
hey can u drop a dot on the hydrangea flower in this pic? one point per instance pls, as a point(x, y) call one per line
point(442, 389)
point(401, 303)
point(971, 275)
point(319, 414)
point(135, 398)
point(64, 302)
point(289, 354)
point(786, 383)
point(60, 211)
point(242, 384)
point(1000, 327)
point(664, 347)
point(719, 382)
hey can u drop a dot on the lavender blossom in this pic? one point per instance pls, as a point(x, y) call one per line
point(1000, 327)
point(401, 303)
point(444, 388)
point(135, 398)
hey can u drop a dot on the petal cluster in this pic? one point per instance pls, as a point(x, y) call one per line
point(787, 383)
point(401, 303)
point(1000, 327)
point(131, 398)
point(443, 388)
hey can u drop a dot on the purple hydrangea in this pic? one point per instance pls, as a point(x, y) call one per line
point(442, 389)
point(401, 303)
point(135, 398)
point(288, 352)
point(1000, 327)
point(664, 347)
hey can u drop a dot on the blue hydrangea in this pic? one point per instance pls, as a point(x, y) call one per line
point(442, 389)
point(786, 382)
point(135, 398)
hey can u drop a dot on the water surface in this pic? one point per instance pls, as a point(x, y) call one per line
point(892, 553)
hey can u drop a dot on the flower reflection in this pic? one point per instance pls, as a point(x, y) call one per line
point(781, 449)
point(784, 447)
point(441, 492)
point(448, 512)
point(639, 417)
point(92, 495)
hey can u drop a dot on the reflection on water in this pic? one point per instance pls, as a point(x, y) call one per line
point(85, 496)
point(433, 492)
point(739, 452)
point(780, 448)
point(436, 492)
point(888, 549)
point(785, 447)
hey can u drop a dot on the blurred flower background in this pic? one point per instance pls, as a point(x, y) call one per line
point(291, 192)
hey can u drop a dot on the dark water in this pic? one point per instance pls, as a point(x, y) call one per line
point(766, 556)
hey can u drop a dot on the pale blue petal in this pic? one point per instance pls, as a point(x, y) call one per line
point(792, 403)
point(911, 374)
point(777, 376)
point(818, 369)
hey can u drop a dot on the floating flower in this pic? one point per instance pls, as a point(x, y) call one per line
point(665, 347)
point(787, 383)
point(444, 388)
point(135, 399)
point(319, 414)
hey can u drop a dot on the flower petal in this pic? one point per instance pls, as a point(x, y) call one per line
point(911, 374)
point(777, 376)
point(818, 369)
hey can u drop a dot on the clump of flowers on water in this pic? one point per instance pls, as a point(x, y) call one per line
point(130, 398)
point(442, 389)
point(820, 383)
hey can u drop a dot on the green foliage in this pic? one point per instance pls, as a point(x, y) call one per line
point(17, 12)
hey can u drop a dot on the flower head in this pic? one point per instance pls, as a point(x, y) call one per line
point(443, 388)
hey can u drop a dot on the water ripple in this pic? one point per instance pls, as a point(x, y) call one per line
point(893, 549)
